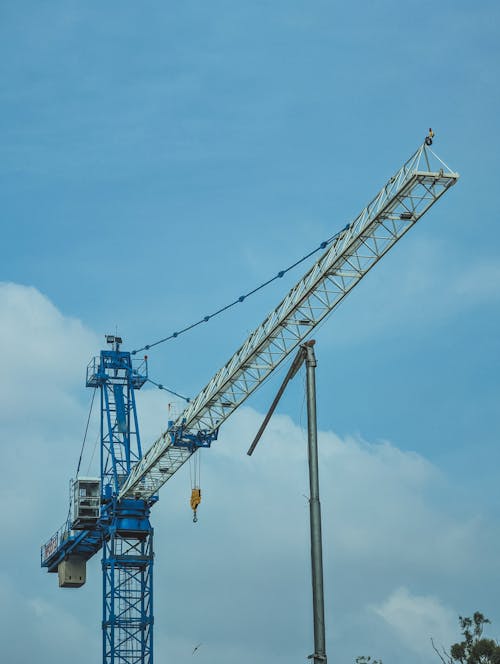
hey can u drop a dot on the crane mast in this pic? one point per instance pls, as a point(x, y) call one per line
point(112, 512)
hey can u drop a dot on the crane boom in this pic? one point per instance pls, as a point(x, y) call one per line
point(418, 184)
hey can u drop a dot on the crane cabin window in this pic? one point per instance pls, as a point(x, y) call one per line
point(86, 502)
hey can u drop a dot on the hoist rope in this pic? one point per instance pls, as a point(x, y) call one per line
point(97, 439)
point(194, 470)
point(68, 518)
point(241, 298)
point(86, 431)
point(195, 478)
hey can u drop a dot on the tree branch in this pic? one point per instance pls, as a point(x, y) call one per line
point(448, 661)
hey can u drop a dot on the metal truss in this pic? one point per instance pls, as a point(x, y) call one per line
point(127, 625)
point(118, 455)
point(120, 440)
point(418, 184)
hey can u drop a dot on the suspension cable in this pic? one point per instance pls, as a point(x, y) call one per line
point(86, 431)
point(166, 389)
point(241, 298)
point(81, 454)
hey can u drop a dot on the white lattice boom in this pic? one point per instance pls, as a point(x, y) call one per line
point(420, 182)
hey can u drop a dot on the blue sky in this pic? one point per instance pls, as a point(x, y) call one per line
point(160, 159)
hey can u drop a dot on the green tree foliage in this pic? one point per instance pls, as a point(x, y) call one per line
point(367, 660)
point(474, 648)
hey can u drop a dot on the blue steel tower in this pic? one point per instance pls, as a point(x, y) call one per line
point(101, 520)
point(127, 535)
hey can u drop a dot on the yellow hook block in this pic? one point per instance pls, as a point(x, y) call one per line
point(195, 499)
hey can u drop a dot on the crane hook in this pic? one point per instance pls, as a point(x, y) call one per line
point(195, 501)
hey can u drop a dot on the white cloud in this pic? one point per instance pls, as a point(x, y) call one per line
point(244, 568)
point(417, 618)
point(44, 355)
point(35, 629)
point(41, 411)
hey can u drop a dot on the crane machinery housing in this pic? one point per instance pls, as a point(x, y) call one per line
point(111, 512)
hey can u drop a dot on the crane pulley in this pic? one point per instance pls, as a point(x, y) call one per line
point(429, 137)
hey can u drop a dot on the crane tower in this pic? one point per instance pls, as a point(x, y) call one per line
point(111, 512)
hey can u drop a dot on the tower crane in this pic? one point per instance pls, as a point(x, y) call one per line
point(111, 513)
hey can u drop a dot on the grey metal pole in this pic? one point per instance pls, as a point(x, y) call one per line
point(319, 655)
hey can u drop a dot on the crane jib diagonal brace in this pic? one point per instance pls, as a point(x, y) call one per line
point(419, 183)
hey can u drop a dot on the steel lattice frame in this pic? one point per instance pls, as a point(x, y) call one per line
point(126, 533)
point(127, 625)
point(397, 207)
point(120, 445)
